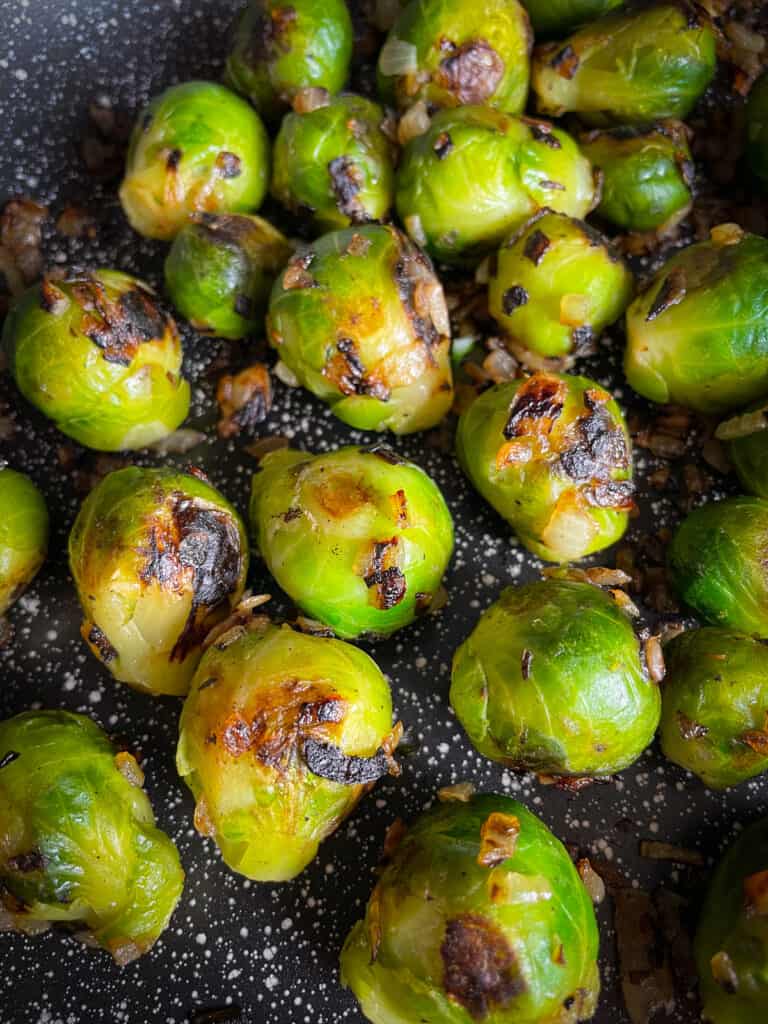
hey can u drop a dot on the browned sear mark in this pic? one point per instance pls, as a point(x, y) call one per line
point(597, 450)
point(27, 862)
point(472, 72)
point(347, 371)
point(119, 325)
point(346, 183)
point(513, 298)
point(479, 968)
point(384, 576)
point(244, 399)
point(498, 839)
point(536, 247)
point(535, 407)
point(98, 639)
point(296, 273)
point(689, 729)
point(565, 62)
point(671, 293)
point(443, 145)
point(229, 165)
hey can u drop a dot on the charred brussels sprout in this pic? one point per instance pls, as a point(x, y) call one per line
point(359, 538)
point(78, 841)
point(757, 129)
point(158, 558)
point(552, 454)
point(550, 17)
point(280, 736)
point(479, 916)
point(747, 437)
point(476, 175)
point(627, 68)
point(97, 355)
point(551, 680)
point(220, 270)
point(197, 148)
point(556, 284)
point(23, 534)
point(360, 318)
point(698, 335)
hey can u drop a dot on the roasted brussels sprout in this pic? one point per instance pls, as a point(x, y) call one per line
point(556, 284)
point(450, 53)
point(552, 454)
point(360, 318)
point(549, 17)
point(647, 174)
point(158, 558)
point(280, 736)
point(479, 916)
point(78, 841)
point(677, 348)
point(627, 68)
point(551, 681)
point(747, 437)
point(220, 270)
point(23, 534)
point(359, 538)
point(197, 148)
point(477, 174)
point(715, 706)
point(280, 47)
point(96, 354)
point(757, 129)
point(335, 163)
point(717, 562)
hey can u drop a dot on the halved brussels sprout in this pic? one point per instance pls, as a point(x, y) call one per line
point(551, 681)
point(628, 68)
point(78, 841)
point(197, 148)
point(359, 317)
point(23, 534)
point(479, 916)
point(552, 454)
point(335, 163)
point(96, 354)
point(280, 736)
point(757, 129)
point(747, 437)
point(220, 270)
point(556, 284)
point(158, 558)
point(476, 175)
point(550, 17)
point(359, 538)
point(698, 334)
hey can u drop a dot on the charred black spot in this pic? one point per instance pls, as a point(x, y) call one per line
point(568, 1002)
point(8, 758)
point(292, 513)
point(565, 62)
point(27, 862)
point(513, 298)
point(119, 326)
point(670, 294)
point(244, 307)
point(229, 165)
point(350, 375)
point(611, 494)
point(480, 968)
point(525, 663)
point(388, 579)
point(173, 160)
point(687, 169)
point(599, 449)
point(582, 338)
point(408, 272)
point(536, 247)
point(329, 762)
point(98, 639)
point(443, 145)
point(553, 186)
point(472, 72)
point(543, 133)
point(384, 452)
point(331, 710)
point(207, 683)
point(236, 736)
point(540, 398)
point(689, 729)
point(423, 602)
point(346, 182)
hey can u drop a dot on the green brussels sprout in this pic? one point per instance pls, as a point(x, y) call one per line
point(96, 354)
point(549, 17)
point(451, 53)
point(23, 534)
point(360, 318)
point(714, 706)
point(158, 558)
point(335, 163)
point(220, 270)
point(359, 538)
point(647, 174)
point(732, 938)
point(78, 841)
point(757, 129)
point(197, 148)
point(280, 48)
point(551, 680)
point(479, 916)
point(552, 454)
point(717, 563)
point(627, 68)
point(476, 175)
point(556, 284)
point(280, 736)
point(748, 446)
point(698, 334)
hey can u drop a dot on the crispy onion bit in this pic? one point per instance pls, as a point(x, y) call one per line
point(460, 792)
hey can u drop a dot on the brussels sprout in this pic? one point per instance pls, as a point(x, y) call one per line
point(732, 938)
point(451, 53)
point(647, 174)
point(549, 17)
point(551, 680)
point(757, 129)
point(158, 558)
point(335, 162)
point(280, 736)
point(220, 270)
point(96, 354)
point(556, 284)
point(360, 318)
point(23, 534)
point(698, 334)
point(717, 562)
point(197, 148)
point(477, 174)
point(479, 916)
point(359, 538)
point(627, 68)
point(280, 47)
point(747, 435)
point(78, 841)
point(552, 454)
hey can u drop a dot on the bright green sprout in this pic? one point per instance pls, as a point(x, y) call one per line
point(23, 534)
point(551, 17)
point(747, 436)
point(757, 129)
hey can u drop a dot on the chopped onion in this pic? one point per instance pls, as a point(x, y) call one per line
point(415, 121)
point(743, 425)
point(398, 57)
point(286, 375)
point(415, 230)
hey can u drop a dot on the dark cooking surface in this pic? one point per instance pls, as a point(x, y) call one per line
point(272, 951)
